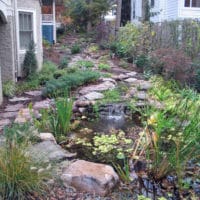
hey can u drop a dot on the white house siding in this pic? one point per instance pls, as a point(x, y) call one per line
point(158, 8)
point(172, 9)
point(34, 7)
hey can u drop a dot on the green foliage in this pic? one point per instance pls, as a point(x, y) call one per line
point(107, 148)
point(103, 66)
point(75, 49)
point(61, 116)
point(123, 172)
point(85, 12)
point(17, 179)
point(30, 61)
point(84, 64)
point(112, 95)
point(63, 63)
point(35, 80)
point(19, 134)
point(172, 134)
point(9, 88)
point(67, 82)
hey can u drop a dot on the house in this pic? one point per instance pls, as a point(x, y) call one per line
point(134, 10)
point(20, 23)
point(52, 18)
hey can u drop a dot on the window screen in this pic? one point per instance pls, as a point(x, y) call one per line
point(25, 29)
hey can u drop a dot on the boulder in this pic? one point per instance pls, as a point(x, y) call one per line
point(47, 151)
point(90, 177)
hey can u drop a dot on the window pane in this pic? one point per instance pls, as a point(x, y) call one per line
point(152, 3)
point(187, 3)
point(25, 29)
point(20, 22)
point(25, 38)
point(196, 3)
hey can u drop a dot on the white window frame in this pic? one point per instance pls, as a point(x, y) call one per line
point(33, 12)
point(190, 7)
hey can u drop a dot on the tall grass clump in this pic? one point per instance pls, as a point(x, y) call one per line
point(19, 177)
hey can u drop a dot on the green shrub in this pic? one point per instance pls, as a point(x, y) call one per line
point(9, 88)
point(58, 73)
point(65, 83)
point(103, 66)
point(84, 64)
point(75, 49)
point(63, 63)
point(30, 62)
point(142, 61)
point(172, 63)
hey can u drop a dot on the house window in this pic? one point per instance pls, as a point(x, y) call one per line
point(25, 29)
point(192, 3)
point(152, 3)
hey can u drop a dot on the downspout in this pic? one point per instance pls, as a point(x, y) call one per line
point(15, 43)
point(54, 22)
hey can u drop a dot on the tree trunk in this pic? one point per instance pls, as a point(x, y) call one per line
point(118, 16)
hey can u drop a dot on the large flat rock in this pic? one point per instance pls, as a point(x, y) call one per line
point(107, 85)
point(90, 177)
point(47, 151)
point(94, 96)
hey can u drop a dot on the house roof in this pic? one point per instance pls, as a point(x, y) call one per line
point(49, 2)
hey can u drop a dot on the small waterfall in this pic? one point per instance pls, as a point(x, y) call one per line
point(113, 115)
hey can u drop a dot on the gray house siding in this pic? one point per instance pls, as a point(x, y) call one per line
point(35, 7)
point(7, 59)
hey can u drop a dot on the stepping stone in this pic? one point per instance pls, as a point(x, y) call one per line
point(107, 85)
point(19, 99)
point(109, 79)
point(120, 77)
point(131, 74)
point(13, 108)
point(94, 96)
point(35, 93)
point(131, 80)
point(8, 114)
point(144, 85)
point(25, 115)
point(48, 151)
point(45, 104)
point(90, 177)
point(141, 95)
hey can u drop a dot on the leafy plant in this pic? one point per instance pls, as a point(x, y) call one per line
point(9, 88)
point(107, 148)
point(84, 64)
point(103, 66)
point(61, 117)
point(30, 62)
point(112, 95)
point(63, 63)
point(171, 135)
point(75, 49)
